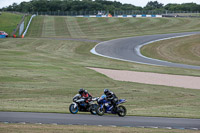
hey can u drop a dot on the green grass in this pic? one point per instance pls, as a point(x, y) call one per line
point(108, 28)
point(42, 75)
point(180, 50)
point(33, 128)
point(9, 21)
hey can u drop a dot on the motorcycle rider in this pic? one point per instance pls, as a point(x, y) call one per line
point(110, 96)
point(85, 95)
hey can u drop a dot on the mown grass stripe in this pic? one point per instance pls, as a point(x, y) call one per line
point(109, 28)
point(61, 27)
point(48, 27)
point(35, 29)
point(46, 73)
point(74, 28)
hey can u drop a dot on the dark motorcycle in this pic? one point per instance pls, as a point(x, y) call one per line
point(79, 104)
point(106, 107)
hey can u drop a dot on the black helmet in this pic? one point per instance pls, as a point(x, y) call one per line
point(106, 91)
point(81, 90)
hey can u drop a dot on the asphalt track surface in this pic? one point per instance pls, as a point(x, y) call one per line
point(106, 120)
point(128, 49)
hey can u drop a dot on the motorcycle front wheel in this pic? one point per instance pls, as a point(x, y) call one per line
point(121, 111)
point(93, 109)
point(72, 109)
point(100, 111)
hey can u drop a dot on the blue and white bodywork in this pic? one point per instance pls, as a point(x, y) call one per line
point(105, 106)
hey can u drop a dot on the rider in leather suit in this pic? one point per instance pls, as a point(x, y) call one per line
point(111, 97)
point(85, 95)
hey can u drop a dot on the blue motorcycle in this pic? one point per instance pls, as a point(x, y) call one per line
point(105, 106)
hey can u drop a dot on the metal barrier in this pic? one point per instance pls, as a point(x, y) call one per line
point(23, 35)
point(123, 16)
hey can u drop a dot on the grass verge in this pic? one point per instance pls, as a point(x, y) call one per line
point(42, 75)
point(108, 28)
point(180, 50)
point(33, 128)
point(9, 21)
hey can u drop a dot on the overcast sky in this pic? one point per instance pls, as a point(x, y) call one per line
point(4, 3)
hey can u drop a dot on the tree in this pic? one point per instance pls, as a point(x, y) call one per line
point(152, 5)
point(183, 7)
point(94, 5)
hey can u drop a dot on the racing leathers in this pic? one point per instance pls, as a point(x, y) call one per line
point(86, 96)
point(112, 98)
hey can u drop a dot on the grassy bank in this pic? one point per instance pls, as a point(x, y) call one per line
point(9, 21)
point(180, 50)
point(108, 28)
point(33, 128)
point(42, 75)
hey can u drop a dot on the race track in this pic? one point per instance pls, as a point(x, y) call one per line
point(128, 49)
point(108, 120)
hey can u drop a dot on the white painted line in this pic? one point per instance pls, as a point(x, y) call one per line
point(112, 126)
point(167, 127)
point(99, 125)
point(38, 123)
point(153, 127)
point(94, 52)
point(194, 128)
point(22, 122)
point(127, 126)
point(137, 49)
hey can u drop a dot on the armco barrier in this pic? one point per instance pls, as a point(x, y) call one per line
point(92, 16)
point(23, 35)
point(123, 16)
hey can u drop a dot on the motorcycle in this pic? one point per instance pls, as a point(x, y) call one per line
point(79, 104)
point(105, 106)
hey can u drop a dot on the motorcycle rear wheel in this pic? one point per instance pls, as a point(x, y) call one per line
point(121, 111)
point(72, 109)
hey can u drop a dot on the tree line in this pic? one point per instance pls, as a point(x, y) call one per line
point(95, 5)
